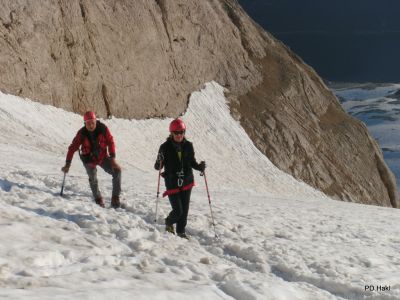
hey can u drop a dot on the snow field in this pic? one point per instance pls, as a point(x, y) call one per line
point(278, 238)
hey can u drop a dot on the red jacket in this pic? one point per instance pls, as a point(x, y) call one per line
point(93, 146)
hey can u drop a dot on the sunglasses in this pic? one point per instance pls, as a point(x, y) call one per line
point(178, 132)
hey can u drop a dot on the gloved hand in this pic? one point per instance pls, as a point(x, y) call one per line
point(65, 169)
point(202, 166)
point(114, 165)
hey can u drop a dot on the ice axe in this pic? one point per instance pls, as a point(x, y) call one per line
point(63, 183)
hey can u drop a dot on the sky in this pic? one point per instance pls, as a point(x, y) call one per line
point(325, 15)
point(344, 41)
point(277, 237)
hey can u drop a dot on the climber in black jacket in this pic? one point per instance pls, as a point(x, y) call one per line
point(177, 157)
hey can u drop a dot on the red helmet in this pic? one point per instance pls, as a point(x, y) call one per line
point(177, 125)
point(89, 115)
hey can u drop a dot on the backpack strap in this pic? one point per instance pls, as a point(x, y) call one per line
point(94, 151)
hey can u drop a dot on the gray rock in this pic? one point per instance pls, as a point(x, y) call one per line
point(139, 59)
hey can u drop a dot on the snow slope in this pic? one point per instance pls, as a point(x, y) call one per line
point(278, 238)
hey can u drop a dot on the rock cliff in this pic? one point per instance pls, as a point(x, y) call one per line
point(140, 59)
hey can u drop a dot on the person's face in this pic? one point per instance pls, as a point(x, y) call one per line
point(178, 136)
point(90, 125)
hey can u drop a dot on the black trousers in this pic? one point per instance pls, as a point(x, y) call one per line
point(180, 208)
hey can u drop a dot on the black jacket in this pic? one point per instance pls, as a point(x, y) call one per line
point(174, 168)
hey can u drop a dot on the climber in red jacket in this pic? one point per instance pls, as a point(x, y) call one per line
point(96, 147)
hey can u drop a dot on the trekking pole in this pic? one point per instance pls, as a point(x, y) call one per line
point(62, 186)
point(209, 202)
point(158, 190)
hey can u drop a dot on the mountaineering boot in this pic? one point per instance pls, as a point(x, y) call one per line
point(115, 203)
point(183, 235)
point(100, 201)
point(169, 228)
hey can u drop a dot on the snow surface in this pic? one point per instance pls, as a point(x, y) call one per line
point(278, 238)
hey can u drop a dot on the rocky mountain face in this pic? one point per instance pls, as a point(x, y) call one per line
point(132, 59)
point(139, 59)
